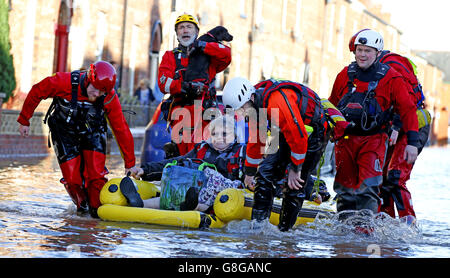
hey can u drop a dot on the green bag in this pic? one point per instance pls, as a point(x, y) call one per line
point(176, 181)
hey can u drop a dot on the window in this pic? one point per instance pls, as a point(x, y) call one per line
point(173, 7)
point(331, 28)
point(340, 50)
point(100, 35)
point(284, 16)
point(298, 14)
point(304, 73)
point(259, 20)
point(242, 9)
point(134, 41)
point(28, 46)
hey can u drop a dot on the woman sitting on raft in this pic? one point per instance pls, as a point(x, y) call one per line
point(221, 149)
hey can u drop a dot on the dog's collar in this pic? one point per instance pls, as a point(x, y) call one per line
point(209, 34)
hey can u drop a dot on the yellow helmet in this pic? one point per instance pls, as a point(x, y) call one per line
point(186, 18)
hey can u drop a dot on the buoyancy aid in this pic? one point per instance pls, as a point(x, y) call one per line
point(78, 116)
point(362, 108)
point(308, 101)
point(228, 162)
point(186, 98)
point(407, 69)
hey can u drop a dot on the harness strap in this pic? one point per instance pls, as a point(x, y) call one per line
point(75, 81)
point(303, 97)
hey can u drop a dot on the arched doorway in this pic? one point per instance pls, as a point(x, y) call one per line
point(62, 36)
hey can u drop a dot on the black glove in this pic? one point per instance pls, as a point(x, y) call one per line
point(197, 46)
point(193, 89)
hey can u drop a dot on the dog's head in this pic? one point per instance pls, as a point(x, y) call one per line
point(220, 33)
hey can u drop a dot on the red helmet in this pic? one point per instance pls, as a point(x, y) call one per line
point(102, 75)
point(351, 43)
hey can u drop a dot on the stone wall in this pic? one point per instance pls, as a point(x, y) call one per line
point(14, 145)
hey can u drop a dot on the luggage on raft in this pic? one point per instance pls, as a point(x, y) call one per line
point(230, 204)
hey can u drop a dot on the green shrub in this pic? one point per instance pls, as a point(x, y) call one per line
point(7, 77)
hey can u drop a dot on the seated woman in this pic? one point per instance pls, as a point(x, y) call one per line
point(221, 149)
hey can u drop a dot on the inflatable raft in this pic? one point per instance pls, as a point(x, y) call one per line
point(229, 205)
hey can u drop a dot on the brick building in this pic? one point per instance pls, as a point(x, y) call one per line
point(302, 40)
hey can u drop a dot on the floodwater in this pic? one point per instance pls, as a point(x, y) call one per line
point(38, 220)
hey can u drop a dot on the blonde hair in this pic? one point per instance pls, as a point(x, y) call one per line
point(226, 121)
point(144, 82)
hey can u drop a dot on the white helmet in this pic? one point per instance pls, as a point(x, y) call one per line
point(237, 92)
point(370, 38)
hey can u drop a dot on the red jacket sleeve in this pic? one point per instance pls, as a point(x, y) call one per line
point(220, 56)
point(339, 87)
point(166, 75)
point(50, 86)
point(120, 129)
point(296, 139)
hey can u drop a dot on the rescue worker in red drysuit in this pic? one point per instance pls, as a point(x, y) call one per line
point(170, 81)
point(77, 124)
point(364, 92)
point(397, 171)
point(289, 106)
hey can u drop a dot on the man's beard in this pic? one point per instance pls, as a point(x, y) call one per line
point(186, 43)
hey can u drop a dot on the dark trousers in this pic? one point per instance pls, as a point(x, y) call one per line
point(272, 174)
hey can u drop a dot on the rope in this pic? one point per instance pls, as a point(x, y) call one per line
point(317, 181)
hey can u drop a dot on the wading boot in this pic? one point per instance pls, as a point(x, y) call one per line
point(129, 191)
point(289, 212)
point(263, 200)
point(190, 200)
point(78, 196)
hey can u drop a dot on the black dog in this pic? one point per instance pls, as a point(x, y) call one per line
point(197, 69)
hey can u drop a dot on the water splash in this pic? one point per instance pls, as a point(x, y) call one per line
point(252, 227)
point(359, 226)
point(364, 225)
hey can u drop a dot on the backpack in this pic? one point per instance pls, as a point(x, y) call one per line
point(407, 69)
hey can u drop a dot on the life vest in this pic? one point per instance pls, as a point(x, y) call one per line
point(407, 69)
point(362, 108)
point(230, 161)
point(186, 99)
point(77, 116)
point(308, 101)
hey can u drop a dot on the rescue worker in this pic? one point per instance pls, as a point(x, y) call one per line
point(221, 149)
point(77, 124)
point(364, 92)
point(183, 94)
point(396, 170)
point(289, 106)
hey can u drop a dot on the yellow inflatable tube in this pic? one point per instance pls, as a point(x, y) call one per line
point(114, 208)
point(230, 204)
point(235, 204)
point(185, 219)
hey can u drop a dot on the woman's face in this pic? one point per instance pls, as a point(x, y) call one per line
point(222, 138)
